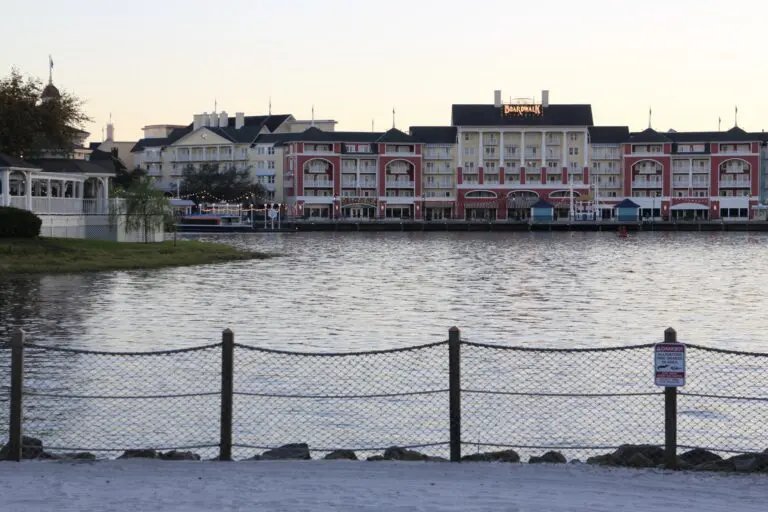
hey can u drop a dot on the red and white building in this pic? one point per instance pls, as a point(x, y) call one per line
point(496, 160)
point(357, 175)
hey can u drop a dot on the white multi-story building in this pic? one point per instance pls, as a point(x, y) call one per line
point(251, 143)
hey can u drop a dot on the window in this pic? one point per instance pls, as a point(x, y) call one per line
point(573, 137)
point(466, 137)
point(270, 150)
point(271, 164)
point(469, 151)
point(573, 151)
point(260, 164)
point(260, 150)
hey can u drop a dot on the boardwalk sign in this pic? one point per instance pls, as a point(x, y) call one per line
point(669, 364)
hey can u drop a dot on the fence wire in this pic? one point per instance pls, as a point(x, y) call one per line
point(5, 392)
point(724, 404)
point(106, 403)
point(578, 402)
point(364, 402)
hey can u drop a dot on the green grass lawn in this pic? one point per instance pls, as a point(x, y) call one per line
point(68, 255)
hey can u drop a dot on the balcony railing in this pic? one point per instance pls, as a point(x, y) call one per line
point(735, 184)
point(437, 156)
point(647, 183)
point(318, 183)
point(399, 184)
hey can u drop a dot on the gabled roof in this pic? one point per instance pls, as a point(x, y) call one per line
point(252, 127)
point(608, 134)
point(107, 160)
point(735, 134)
point(435, 134)
point(394, 135)
point(648, 135)
point(490, 115)
point(11, 161)
point(627, 203)
point(314, 134)
point(70, 166)
point(542, 204)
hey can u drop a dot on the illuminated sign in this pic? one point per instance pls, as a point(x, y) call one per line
point(522, 110)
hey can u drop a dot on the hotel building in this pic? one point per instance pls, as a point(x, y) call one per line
point(493, 162)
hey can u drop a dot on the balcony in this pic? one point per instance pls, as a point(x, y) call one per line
point(399, 184)
point(310, 183)
point(432, 155)
point(735, 184)
point(647, 183)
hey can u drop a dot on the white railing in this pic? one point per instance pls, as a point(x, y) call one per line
point(735, 184)
point(437, 156)
point(57, 205)
point(19, 202)
point(399, 184)
point(647, 183)
point(318, 183)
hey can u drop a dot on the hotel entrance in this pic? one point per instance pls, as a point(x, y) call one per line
point(359, 212)
point(480, 214)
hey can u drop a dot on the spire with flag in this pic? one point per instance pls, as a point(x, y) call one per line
point(736, 115)
point(50, 69)
point(393, 117)
point(650, 116)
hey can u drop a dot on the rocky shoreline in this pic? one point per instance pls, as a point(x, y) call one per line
point(626, 456)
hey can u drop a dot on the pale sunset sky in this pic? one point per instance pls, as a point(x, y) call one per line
point(161, 61)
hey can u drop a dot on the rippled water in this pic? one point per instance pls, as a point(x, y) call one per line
point(357, 291)
point(331, 292)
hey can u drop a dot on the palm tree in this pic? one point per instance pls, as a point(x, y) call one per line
point(145, 208)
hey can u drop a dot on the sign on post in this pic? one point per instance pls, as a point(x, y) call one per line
point(669, 364)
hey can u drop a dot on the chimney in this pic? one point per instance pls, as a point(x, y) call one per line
point(197, 121)
point(544, 98)
point(497, 98)
point(223, 120)
point(239, 120)
point(110, 131)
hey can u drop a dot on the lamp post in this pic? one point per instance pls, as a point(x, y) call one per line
point(335, 207)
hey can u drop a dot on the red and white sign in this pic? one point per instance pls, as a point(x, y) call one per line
point(669, 365)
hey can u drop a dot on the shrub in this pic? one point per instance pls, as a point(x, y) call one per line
point(18, 223)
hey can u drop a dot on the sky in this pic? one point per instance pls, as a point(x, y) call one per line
point(162, 61)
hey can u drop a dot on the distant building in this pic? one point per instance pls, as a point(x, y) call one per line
point(244, 142)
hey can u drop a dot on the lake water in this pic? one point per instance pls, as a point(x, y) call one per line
point(342, 292)
point(360, 291)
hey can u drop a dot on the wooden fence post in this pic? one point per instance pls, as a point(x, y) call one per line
point(670, 413)
point(227, 389)
point(16, 427)
point(454, 391)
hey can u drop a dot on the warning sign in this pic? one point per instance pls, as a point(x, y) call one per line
point(669, 364)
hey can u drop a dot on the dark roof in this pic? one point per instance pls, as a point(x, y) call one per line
point(490, 115)
point(94, 145)
point(435, 134)
point(394, 135)
point(50, 92)
point(252, 126)
point(314, 134)
point(542, 204)
point(627, 203)
point(107, 160)
point(69, 165)
point(608, 134)
point(735, 134)
point(648, 135)
point(11, 161)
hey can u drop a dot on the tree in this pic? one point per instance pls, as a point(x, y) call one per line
point(145, 208)
point(29, 127)
point(210, 182)
point(125, 179)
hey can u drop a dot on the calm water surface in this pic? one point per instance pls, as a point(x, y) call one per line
point(359, 291)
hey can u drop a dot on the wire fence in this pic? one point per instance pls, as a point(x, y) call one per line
point(480, 398)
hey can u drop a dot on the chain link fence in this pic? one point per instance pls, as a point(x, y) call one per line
point(580, 402)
